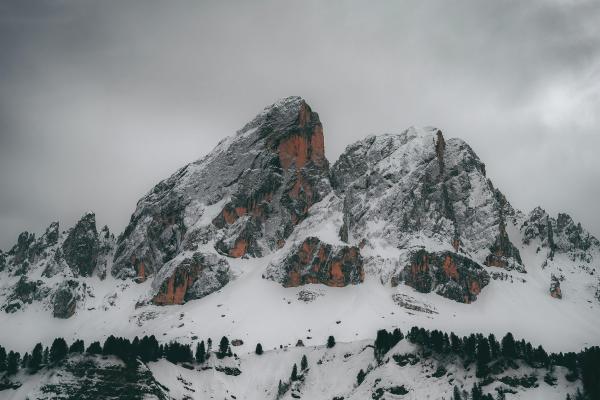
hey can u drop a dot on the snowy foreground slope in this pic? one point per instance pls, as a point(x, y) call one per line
point(263, 241)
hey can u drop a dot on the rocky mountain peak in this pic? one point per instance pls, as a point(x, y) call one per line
point(81, 246)
point(241, 200)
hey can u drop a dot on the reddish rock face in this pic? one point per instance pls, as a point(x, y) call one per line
point(192, 278)
point(555, 288)
point(316, 262)
point(448, 274)
point(297, 164)
point(174, 289)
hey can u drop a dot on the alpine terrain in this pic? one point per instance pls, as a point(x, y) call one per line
point(263, 271)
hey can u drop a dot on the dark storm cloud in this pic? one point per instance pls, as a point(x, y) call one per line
point(100, 100)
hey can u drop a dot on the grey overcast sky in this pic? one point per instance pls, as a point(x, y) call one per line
point(99, 100)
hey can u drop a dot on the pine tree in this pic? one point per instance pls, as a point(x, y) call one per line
point(476, 392)
point(77, 347)
point(223, 346)
point(259, 349)
point(200, 353)
point(294, 375)
point(483, 356)
point(281, 389)
point(2, 359)
point(36, 357)
point(25, 360)
point(46, 356)
point(330, 342)
point(12, 363)
point(456, 395)
point(360, 377)
point(303, 363)
point(508, 346)
point(94, 348)
point(58, 350)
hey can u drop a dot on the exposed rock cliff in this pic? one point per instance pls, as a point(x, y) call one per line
point(253, 189)
point(190, 278)
point(314, 261)
point(448, 274)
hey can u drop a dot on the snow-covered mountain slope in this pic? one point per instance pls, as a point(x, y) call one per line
point(345, 371)
point(261, 240)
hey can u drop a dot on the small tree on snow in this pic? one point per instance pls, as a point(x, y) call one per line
point(330, 342)
point(360, 377)
point(303, 363)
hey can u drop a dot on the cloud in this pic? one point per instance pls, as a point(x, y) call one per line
point(101, 100)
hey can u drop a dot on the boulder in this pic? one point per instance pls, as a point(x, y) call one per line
point(314, 261)
point(188, 278)
point(555, 287)
point(448, 274)
point(64, 300)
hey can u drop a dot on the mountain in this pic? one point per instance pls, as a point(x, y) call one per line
point(262, 240)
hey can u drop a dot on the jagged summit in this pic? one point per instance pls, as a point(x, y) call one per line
point(243, 199)
point(285, 111)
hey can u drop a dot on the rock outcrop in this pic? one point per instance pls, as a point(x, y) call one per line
point(313, 261)
point(64, 300)
point(24, 292)
point(190, 278)
point(446, 273)
point(81, 247)
point(560, 235)
point(252, 189)
point(555, 287)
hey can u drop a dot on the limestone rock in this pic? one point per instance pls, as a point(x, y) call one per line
point(448, 274)
point(314, 261)
point(64, 300)
point(188, 278)
point(555, 288)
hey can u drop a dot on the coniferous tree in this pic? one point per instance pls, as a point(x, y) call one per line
point(25, 360)
point(58, 350)
point(281, 389)
point(2, 359)
point(476, 392)
point(456, 395)
point(259, 349)
point(294, 375)
point(494, 346)
point(200, 352)
point(360, 377)
point(508, 346)
point(483, 356)
point(94, 348)
point(455, 343)
point(77, 347)
point(46, 356)
point(330, 342)
point(590, 372)
point(12, 362)
point(148, 349)
point(303, 363)
point(36, 357)
point(223, 346)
